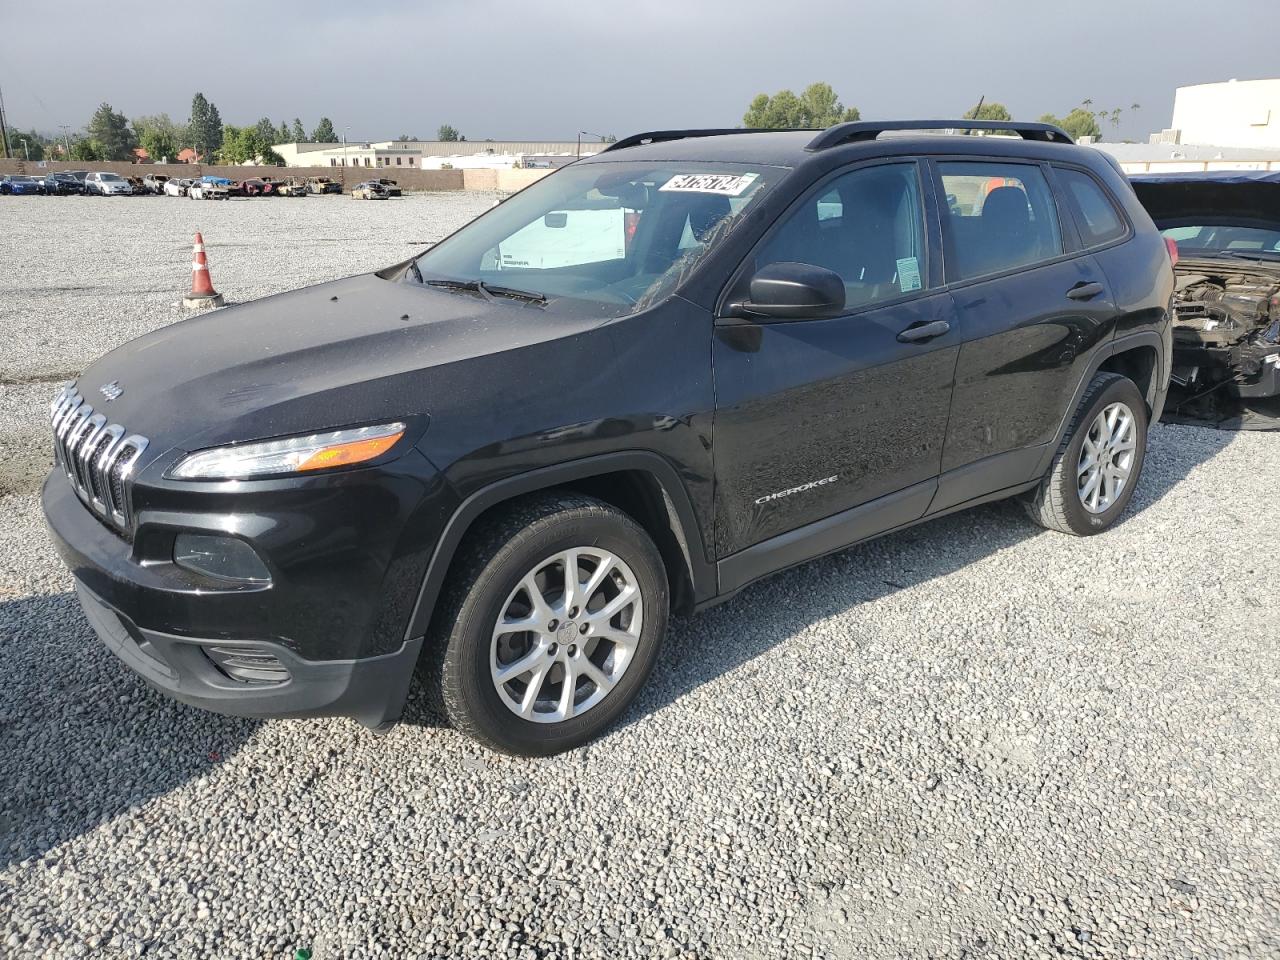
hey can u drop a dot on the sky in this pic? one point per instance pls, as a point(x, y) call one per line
point(546, 69)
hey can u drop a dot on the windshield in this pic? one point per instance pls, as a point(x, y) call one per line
point(1225, 238)
point(107, 176)
point(617, 236)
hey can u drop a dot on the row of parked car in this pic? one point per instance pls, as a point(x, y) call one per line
point(106, 184)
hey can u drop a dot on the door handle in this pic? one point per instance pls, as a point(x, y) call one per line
point(1085, 291)
point(925, 331)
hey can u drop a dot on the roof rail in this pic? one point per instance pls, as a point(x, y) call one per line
point(662, 136)
point(863, 130)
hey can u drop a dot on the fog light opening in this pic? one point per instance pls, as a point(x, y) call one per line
point(248, 664)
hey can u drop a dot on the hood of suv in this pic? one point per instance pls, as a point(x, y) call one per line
point(1239, 195)
point(350, 351)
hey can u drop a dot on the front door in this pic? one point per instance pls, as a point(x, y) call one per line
point(815, 417)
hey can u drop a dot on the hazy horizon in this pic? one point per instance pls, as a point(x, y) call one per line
point(509, 71)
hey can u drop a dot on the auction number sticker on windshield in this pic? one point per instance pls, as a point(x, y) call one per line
point(725, 184)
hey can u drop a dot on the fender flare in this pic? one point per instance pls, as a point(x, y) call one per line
point(679, 507)
point(1155, 392)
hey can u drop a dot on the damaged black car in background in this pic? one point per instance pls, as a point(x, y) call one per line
point(1226, 328)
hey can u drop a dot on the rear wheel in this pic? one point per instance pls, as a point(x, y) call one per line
point(1098, 465)
point(552, 626)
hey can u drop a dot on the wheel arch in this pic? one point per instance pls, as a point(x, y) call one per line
point(642, 484)
point(1140, 362)
point(1122, 355)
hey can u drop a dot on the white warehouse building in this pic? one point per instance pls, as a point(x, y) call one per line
point(434, 154)
point(1236, 113)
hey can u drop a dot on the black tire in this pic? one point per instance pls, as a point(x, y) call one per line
point(1057, 503)
point(493, 560)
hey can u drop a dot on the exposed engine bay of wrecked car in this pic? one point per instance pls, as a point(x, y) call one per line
point(1227, 326)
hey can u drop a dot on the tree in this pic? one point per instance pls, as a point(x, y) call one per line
point(1080, 122)
point(448, 134)
point(323, 133)
point(112, 133)
point(215, 125)
point(158, 135)
point(405, 138)
point(232, 149)
point(816, 107)
point(298, 133)
point(204, 131)
point(87, 150)
point(159, 144)
point(266, 130)
point(989, 111)
point(282, 135)
point(247, 145)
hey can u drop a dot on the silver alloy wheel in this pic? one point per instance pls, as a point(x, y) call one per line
point(566, 635)
point(1106, 458)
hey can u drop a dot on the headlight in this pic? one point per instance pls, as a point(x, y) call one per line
point(316, 451)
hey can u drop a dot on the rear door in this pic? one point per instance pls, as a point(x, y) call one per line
point(1030, 307)
point(815, 417)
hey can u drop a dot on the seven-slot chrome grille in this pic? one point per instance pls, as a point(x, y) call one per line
point(98, 457)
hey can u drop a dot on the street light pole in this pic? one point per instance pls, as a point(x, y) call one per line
point(66, 139)
point(26, 152)
point(4, 128)
point(587, 133)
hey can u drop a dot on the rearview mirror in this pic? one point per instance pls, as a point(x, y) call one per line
point(555, 220)
point(795, 291)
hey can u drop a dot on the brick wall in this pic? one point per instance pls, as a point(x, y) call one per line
point(347, 176)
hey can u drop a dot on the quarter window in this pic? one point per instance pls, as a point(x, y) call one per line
point(996, 217)
point(1096, 215)
point(866, 225)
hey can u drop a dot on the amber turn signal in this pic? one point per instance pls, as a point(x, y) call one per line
point(343, 454)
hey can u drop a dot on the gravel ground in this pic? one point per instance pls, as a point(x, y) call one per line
point(971, 739)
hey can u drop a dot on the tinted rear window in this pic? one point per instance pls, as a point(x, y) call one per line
point(1096, 215)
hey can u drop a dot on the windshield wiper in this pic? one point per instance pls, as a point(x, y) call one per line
point(466, 286)
point(413, 268)
point(528, 296)
point(1251, 254)
point(488, 291)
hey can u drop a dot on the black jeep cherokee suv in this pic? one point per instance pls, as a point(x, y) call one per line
point(637, 386)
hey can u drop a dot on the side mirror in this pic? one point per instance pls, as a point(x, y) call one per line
point(794, 291)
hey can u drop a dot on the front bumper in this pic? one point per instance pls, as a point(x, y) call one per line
point(371, 690)
point(330, 626)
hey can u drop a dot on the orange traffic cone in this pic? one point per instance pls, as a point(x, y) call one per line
point(202, 293)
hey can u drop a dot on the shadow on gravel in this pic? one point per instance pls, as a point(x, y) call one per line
point(82, 739)
point(702, 648)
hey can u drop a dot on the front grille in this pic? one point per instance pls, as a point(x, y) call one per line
point(98, 457)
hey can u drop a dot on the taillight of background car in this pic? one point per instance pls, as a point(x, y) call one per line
point(1172, 244)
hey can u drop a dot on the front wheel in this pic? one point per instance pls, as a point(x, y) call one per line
point(552, 625)
point(1096, 469)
